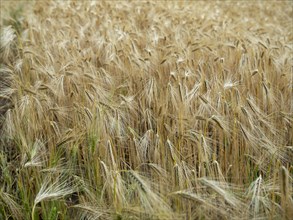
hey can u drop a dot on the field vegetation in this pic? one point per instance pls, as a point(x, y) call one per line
point(146, 110)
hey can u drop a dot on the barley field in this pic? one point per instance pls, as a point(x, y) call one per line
point(152, 110)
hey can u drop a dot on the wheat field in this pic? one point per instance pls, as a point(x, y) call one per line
point(146, 110)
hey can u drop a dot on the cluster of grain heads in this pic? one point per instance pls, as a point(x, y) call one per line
point(146, 110)
point(6, 52)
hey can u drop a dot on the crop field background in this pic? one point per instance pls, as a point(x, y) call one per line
point(146, 110)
